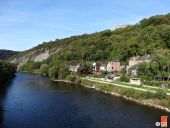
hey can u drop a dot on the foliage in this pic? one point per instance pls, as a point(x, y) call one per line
point(125, 78)
point(7, 71)
point(84, 69)
point(159, 98)
point(149, 36)
point(30, 66)
point(44, 69)
point(122, 43)
point(158, 67)
point(63, 71)
point(53, 72)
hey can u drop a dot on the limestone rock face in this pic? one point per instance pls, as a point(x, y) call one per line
point(42, 56)
point(22, 60)
point(37, 55)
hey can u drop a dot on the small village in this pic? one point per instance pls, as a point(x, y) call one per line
point(113, 70)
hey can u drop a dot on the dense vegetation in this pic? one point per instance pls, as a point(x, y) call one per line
point(149, 36)
point(6, 54)
point(7, 71)
point(159, 68)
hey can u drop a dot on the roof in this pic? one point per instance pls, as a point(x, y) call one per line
point(142, 58)
point(115, 61)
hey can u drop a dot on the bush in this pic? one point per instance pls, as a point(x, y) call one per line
point(125, 78)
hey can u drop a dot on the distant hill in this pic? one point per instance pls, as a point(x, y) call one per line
point(145, 37)
point(6, 54)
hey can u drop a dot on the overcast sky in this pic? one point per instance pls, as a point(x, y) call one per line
point(27, 23)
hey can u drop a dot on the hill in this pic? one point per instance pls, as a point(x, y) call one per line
point(6, 54)
point(145, 37)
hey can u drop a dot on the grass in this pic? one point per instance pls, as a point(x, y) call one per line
point(131, 85)
point(158, 98)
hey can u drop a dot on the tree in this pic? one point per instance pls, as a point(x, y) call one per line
point(44, 69)
point(7, 71)
point(63, 71)
point(53, 72)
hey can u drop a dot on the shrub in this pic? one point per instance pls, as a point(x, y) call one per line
point(125, 78)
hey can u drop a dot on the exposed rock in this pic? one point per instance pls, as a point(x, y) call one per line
point(21, 61)
point(42, 56)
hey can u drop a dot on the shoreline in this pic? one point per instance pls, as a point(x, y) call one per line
point(66, 81)
point(118, 95)
point(131, 99)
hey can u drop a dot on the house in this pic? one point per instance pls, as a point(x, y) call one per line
point(74, 68)
point(134, 61)
point(135, 81)
point(113, 66)
point(139, 59)
point(99, 67)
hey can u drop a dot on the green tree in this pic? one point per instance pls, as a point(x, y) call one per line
point(53, 72)
point(44, 69)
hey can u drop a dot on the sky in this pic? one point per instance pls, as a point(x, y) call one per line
point(27, 23)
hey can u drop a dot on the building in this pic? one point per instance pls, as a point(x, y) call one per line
point(74, 68)
point(99, 67)
point(134, 61)
point(135, 81)
point(103, 67)
point(113, 66)
point(139, 59)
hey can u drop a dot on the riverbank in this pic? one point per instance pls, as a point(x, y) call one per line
point(66, 81)
point(154, 100)
point(139, 97)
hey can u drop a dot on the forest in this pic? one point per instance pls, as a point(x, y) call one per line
point(149, 36)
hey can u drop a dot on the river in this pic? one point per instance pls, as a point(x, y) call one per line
point(32, 101)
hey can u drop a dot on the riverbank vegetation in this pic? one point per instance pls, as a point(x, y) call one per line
point(7, 71)
point(144, 97)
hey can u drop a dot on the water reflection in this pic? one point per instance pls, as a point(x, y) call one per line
point(34, 101)
point(3, 91)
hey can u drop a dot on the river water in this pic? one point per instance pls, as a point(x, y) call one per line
point(32, 101)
